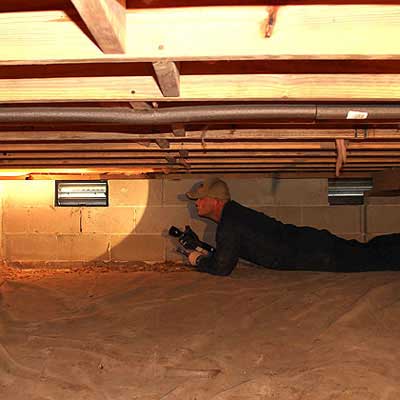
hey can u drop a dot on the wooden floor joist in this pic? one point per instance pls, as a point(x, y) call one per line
point(199, 155)
point(134, 55)
point(168, 77)
point(237, 134)
point(227, 32)
point(242, 87)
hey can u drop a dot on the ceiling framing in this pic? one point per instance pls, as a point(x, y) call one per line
point(148, 56)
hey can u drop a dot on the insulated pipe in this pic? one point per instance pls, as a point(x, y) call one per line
point(163, 116)
point(197, 114)
point(358, 111)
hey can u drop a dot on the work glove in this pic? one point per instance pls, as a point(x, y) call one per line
point(194, 257)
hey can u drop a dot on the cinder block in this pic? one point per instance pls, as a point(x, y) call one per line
point(370, 236)
point(108, 219)
point(83, 247)
point(343, 219)
point(350, 236)
point(249, 191)
point(270, 211)
point(383, 218)
point(28, 247)
point(391, 200)
point(135, 192)
point(16, 220)
point(301, 192)
point(54, 220)
point(174, 190)
point(28, 193)
point(137, 248)
point(1, 227)
point(159, 219)
point(289, 215)
point(252, 191)
point(171, 253)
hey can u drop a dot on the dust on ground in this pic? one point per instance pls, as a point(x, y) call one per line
point(126, 333)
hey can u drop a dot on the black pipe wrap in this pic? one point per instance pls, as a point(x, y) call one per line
point(364, 111)
point(163, 116)
point(196, 114)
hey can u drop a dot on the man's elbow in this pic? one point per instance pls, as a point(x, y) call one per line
point(224, 271)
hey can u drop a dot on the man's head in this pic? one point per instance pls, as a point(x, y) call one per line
point(211, 196)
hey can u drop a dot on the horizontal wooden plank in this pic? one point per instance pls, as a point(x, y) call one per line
point(221, 164)
point(234, 134)
point(192, 175)
point(149, 147)
point(275, 174)
point(367, 162)
point(259, 87)
point(205, 33)
point(279, 167)
point(193, 155)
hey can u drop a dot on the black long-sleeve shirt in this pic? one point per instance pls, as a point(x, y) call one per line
point(245, 233)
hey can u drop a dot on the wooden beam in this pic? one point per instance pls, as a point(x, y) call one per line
point(386, 181)
point(316, 163)
point(171, 160)
point(192, 146)
point(345, 31)
point(162, 143)
point(341, 155)
point(184, 162)
point(240, 134)
point(179, 130)
point(292, 167)
point(168, 77)
point(140, 105)
point(88, 155)
point(106, 20)
point(183, 153)
point(274, 174)
point(255, 87)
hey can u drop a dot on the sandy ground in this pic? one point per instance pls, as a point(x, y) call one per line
point(259, 334)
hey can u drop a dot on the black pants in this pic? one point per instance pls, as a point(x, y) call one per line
point(320, 250)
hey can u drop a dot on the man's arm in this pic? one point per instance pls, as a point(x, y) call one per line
point(226, 256)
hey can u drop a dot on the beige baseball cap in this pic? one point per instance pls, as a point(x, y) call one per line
point(212, 187)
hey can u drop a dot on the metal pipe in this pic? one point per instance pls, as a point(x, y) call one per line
point(198, 114)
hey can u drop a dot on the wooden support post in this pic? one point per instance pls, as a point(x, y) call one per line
point(168, 77)
point(183, 153)
point(162, 143)
point(106, 21)
point(171, 160)
point(184, 163)
point(341, 155)
point(141, 105)
point(179, 130)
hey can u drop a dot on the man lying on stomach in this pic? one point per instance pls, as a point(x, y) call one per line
point(245, 233)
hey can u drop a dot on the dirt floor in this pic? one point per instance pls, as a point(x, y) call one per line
point(259, 334)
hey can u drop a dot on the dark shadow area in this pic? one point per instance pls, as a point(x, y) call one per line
point(222, 67)
point(124, 246)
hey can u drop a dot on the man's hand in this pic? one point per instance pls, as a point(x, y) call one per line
point(193, 257)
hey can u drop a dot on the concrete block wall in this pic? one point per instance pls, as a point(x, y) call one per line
point(134, 226)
